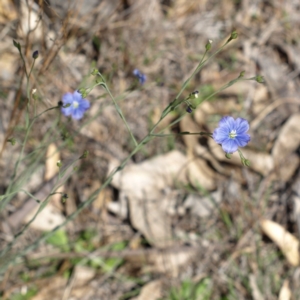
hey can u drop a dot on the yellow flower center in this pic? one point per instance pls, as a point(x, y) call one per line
point(75, 104)
point(232, 134)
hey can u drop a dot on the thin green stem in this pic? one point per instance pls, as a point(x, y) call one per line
point(205, 99)
point(104, 85)
point(173, 105)
point(41, 207)
point(27, 85)
point(182, 133)
point(26, 138)
point(70, 217)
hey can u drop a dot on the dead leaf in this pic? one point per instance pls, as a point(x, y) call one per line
point(203, 206)
point(202, 111)
point(83, 274)
point(274, 72)
point(47, 219)
point(285, 292)
point(260, 98)
point(7, 11)
point(151, 291)
point(146, 187)
point(199, 173)
point(296, 201)
point(8, 66)
point(54, 287)
point(256, 294)
point(51, 170)
point(259, 161)
point(287, 162)
point(103, 198)
point(171, 262)
point(289, 138)
point(52, 157)
point(287, 168)
point(288, 243)
point(30, 20)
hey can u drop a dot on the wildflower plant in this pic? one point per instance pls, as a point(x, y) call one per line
point(140, 76)
point(77, 105)
point(231, 134)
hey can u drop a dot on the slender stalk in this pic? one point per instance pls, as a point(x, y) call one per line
point(104, 85)
point(182, 133)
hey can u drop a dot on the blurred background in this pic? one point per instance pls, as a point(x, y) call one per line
point(181, 221)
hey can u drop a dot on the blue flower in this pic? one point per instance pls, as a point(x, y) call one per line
point(141, 77)
point(77, 107)
point(231, 134)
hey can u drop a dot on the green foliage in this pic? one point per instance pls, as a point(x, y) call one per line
point(30, 293)
point(59, 239)
point(112, 263)
point(17, 45)
point(96, 42)
point(204, 92)
point(85, 244)
point(171, 143)
point(192, 291)
point(85, 241)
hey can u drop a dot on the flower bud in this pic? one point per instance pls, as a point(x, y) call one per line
point(228, 155)
point(233, 36)
point(194, 95)
point(12, 141)
point(83, 92)
point(98, 80)
point(208, 45)
point(94, 72)
point(64, 198)
point(189, 109)
point(17, 45)
point(259, 79)
point(35, 54)
point(34, 95)
point(59, 164)
point(246, 162)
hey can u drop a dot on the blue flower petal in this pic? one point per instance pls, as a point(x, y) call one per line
point(141, 77)
point(77, 96)
point(241, 125)
point(77, 114)
point(136, 72)
point(85, 104)
point(227, 122)
point(67, 98)
point(243, 139)
point(230, 145)
point(220, 135)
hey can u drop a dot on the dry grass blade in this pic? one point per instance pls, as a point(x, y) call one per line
point(285, 292)
point(288, 243)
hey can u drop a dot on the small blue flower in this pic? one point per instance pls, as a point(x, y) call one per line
point(141, 77)
point(77, 107)
point(231, 133)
